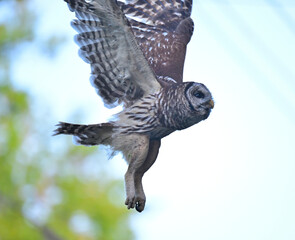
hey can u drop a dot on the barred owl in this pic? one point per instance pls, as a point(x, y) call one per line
point(136, 50)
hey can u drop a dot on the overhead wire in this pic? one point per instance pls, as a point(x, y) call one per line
point(262, 80)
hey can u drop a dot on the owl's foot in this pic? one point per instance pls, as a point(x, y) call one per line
point(137, 202)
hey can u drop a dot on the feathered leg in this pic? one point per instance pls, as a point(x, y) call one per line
point(151, 158)
point(135, 157)
point(133, 177)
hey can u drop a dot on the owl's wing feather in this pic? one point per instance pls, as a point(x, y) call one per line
point(162, 29)
point(119, 70)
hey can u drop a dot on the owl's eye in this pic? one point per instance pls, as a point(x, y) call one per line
point(199, 94)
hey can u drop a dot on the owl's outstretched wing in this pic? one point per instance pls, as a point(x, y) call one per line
point(163, 29)
point(119, 70)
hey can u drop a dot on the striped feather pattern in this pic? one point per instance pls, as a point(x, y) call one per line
point(143, 118)
point(162, 28)
point(119, 70)
point(94, 134)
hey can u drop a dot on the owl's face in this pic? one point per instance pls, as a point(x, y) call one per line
point(199, 99)
point(185, 104)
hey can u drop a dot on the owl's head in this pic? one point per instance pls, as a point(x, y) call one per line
point(199, 99)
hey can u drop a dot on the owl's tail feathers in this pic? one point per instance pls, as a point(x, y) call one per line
point(88, 135)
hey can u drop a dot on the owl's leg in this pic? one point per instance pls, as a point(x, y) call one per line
point(137, 171)
point(135, 158)
point(151, 158)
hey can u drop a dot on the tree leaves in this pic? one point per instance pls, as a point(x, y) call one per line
point(45, 191)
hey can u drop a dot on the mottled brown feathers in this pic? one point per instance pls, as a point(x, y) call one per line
point(162, 30)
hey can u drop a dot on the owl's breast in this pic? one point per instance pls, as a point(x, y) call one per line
point(160, 132)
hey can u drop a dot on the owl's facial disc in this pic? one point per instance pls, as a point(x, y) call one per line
point(200, 99)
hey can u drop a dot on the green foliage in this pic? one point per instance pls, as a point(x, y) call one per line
point(44, 194)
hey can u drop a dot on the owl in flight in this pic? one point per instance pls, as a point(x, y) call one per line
point(136, 50)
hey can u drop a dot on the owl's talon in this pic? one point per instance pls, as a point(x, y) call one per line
point(140, 204)
point(130, 202)
point(137, 202)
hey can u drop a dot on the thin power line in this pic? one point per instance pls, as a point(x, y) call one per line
point(262, 80)
point(286, 74)
point(279, 9)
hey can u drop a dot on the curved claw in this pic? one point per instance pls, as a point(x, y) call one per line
point(130, 202)
point(137, 202)
point(140, 204)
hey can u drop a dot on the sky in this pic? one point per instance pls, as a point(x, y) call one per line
point(229, 177)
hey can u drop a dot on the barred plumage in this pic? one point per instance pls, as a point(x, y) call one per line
point(118, 67)
point(136, 51)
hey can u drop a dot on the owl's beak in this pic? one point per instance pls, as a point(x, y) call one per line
point(211, 103)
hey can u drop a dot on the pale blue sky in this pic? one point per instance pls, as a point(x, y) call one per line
point(230, 177)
